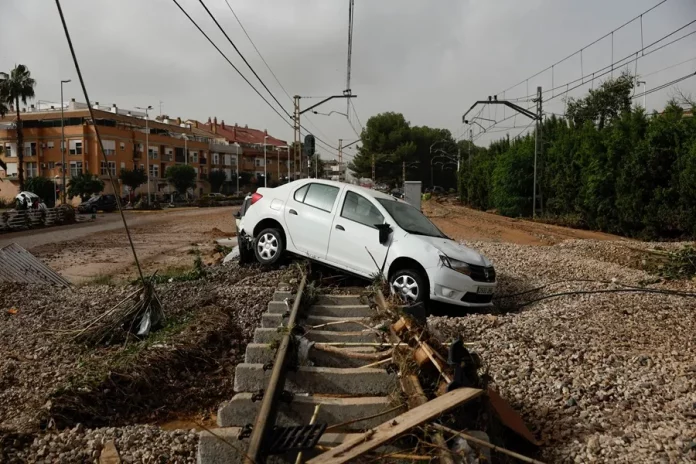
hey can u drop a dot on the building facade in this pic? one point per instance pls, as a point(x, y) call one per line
point(125, 134)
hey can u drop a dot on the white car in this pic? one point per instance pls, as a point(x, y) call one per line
point(365, 232)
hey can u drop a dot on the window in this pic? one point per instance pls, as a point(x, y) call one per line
point(8, 151)
point(154, 171)
point(51, 164)
point(32, 170)
point(410, 219)
point(30, 149)
point(123, 165)
point(109, 147)
point(317, 195)
point(123, 145)
point(259, 162)
point(50, 145)
point(361, 210)
point(106, 168)
point(216, 158)
point(75, 147)
point(194, 157)
point(152, 152)
point(75, 168)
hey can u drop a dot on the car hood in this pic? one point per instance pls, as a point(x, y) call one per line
point(456, 251)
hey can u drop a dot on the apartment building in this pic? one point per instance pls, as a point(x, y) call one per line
point(278, 163)
point(124, 133)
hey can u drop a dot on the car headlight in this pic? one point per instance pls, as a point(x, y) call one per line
point(456, 265)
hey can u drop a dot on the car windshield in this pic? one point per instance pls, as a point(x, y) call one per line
point(409, 218)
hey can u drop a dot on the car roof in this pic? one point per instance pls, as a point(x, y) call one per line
point(353, 187)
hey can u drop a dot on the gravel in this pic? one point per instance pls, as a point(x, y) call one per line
point(599, 378)
point(135, 444)
point(37, 362)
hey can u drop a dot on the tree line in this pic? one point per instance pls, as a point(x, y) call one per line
point(606, 165)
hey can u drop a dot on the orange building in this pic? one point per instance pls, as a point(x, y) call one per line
point(124, 134)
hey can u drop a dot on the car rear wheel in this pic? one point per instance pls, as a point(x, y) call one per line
point(409, 285)
point(269, 246)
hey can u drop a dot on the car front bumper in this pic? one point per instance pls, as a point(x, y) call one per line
point(452, 287)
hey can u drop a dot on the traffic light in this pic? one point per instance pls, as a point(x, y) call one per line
point(308, 147)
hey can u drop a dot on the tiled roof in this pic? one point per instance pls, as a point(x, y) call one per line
point(242, 135)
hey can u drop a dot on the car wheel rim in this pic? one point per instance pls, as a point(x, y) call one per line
point(406, 287)
point(267, 246)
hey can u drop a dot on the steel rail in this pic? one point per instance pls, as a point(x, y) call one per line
point(266, 417)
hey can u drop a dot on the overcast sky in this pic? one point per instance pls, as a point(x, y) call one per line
point(429, 60)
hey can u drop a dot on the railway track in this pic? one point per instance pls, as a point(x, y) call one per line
point(320, 378)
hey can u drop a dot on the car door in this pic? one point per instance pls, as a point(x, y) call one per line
point(309, 213)
point(354, 243)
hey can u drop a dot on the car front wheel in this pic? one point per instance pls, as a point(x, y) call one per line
point(269, 246)
point(409, 285)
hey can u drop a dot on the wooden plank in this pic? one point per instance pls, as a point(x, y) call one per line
point(396, 427)
point(416, 397)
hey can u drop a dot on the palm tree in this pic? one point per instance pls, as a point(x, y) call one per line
point(3, 112)
point(16, 86)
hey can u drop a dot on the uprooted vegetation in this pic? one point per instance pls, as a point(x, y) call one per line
point(48, 379)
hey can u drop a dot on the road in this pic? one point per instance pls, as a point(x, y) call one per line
point(163, 239)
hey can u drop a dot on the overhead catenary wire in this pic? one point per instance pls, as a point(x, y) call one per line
point(610, 33)
point(628, 59)
point(99, 140)
point(248, 36)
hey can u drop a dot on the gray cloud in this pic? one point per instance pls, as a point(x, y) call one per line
point(429, 60)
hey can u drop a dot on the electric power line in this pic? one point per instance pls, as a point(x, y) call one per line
point(242, 57)
point(610, 33)
point(230, 63)
point(616, 64)
point(669, 67)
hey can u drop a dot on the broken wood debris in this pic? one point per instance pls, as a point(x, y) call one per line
point(393, 428)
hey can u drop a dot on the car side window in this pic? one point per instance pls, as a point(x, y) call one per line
point(359, 209)
point(300, 193)
point(321, 196)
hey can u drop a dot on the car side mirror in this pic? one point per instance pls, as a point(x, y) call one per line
point(384, 231)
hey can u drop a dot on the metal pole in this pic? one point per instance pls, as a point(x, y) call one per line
point(236, 173)
point(468, 180)
point(373, 169)
point(266, 417)
point(288, 149)
point(147, 152)
point(645, 107)
point(297, 155)
point(536, 150)
point(62, 140)
point(316, 165)
point(340, 156)
point(265, 173)
point(403, 173)
point(278, 152)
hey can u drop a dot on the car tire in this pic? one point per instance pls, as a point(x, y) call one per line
point(410, 285)
point(269, 246)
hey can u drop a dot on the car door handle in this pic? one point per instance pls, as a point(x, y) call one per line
point(339, 227)
point(292, 211)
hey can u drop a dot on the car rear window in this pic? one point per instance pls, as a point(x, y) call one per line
point(319, 196)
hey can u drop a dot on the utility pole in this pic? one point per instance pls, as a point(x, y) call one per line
point(297, 154)
point(340, 157)
point(316, 166)
point(537, 148)
point(265, 163)
point(468, 180)
point(147, 147)
point(62, 139)
point(403, 172)
point(373, 169)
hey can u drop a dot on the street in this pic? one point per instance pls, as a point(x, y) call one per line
point(83, 252)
